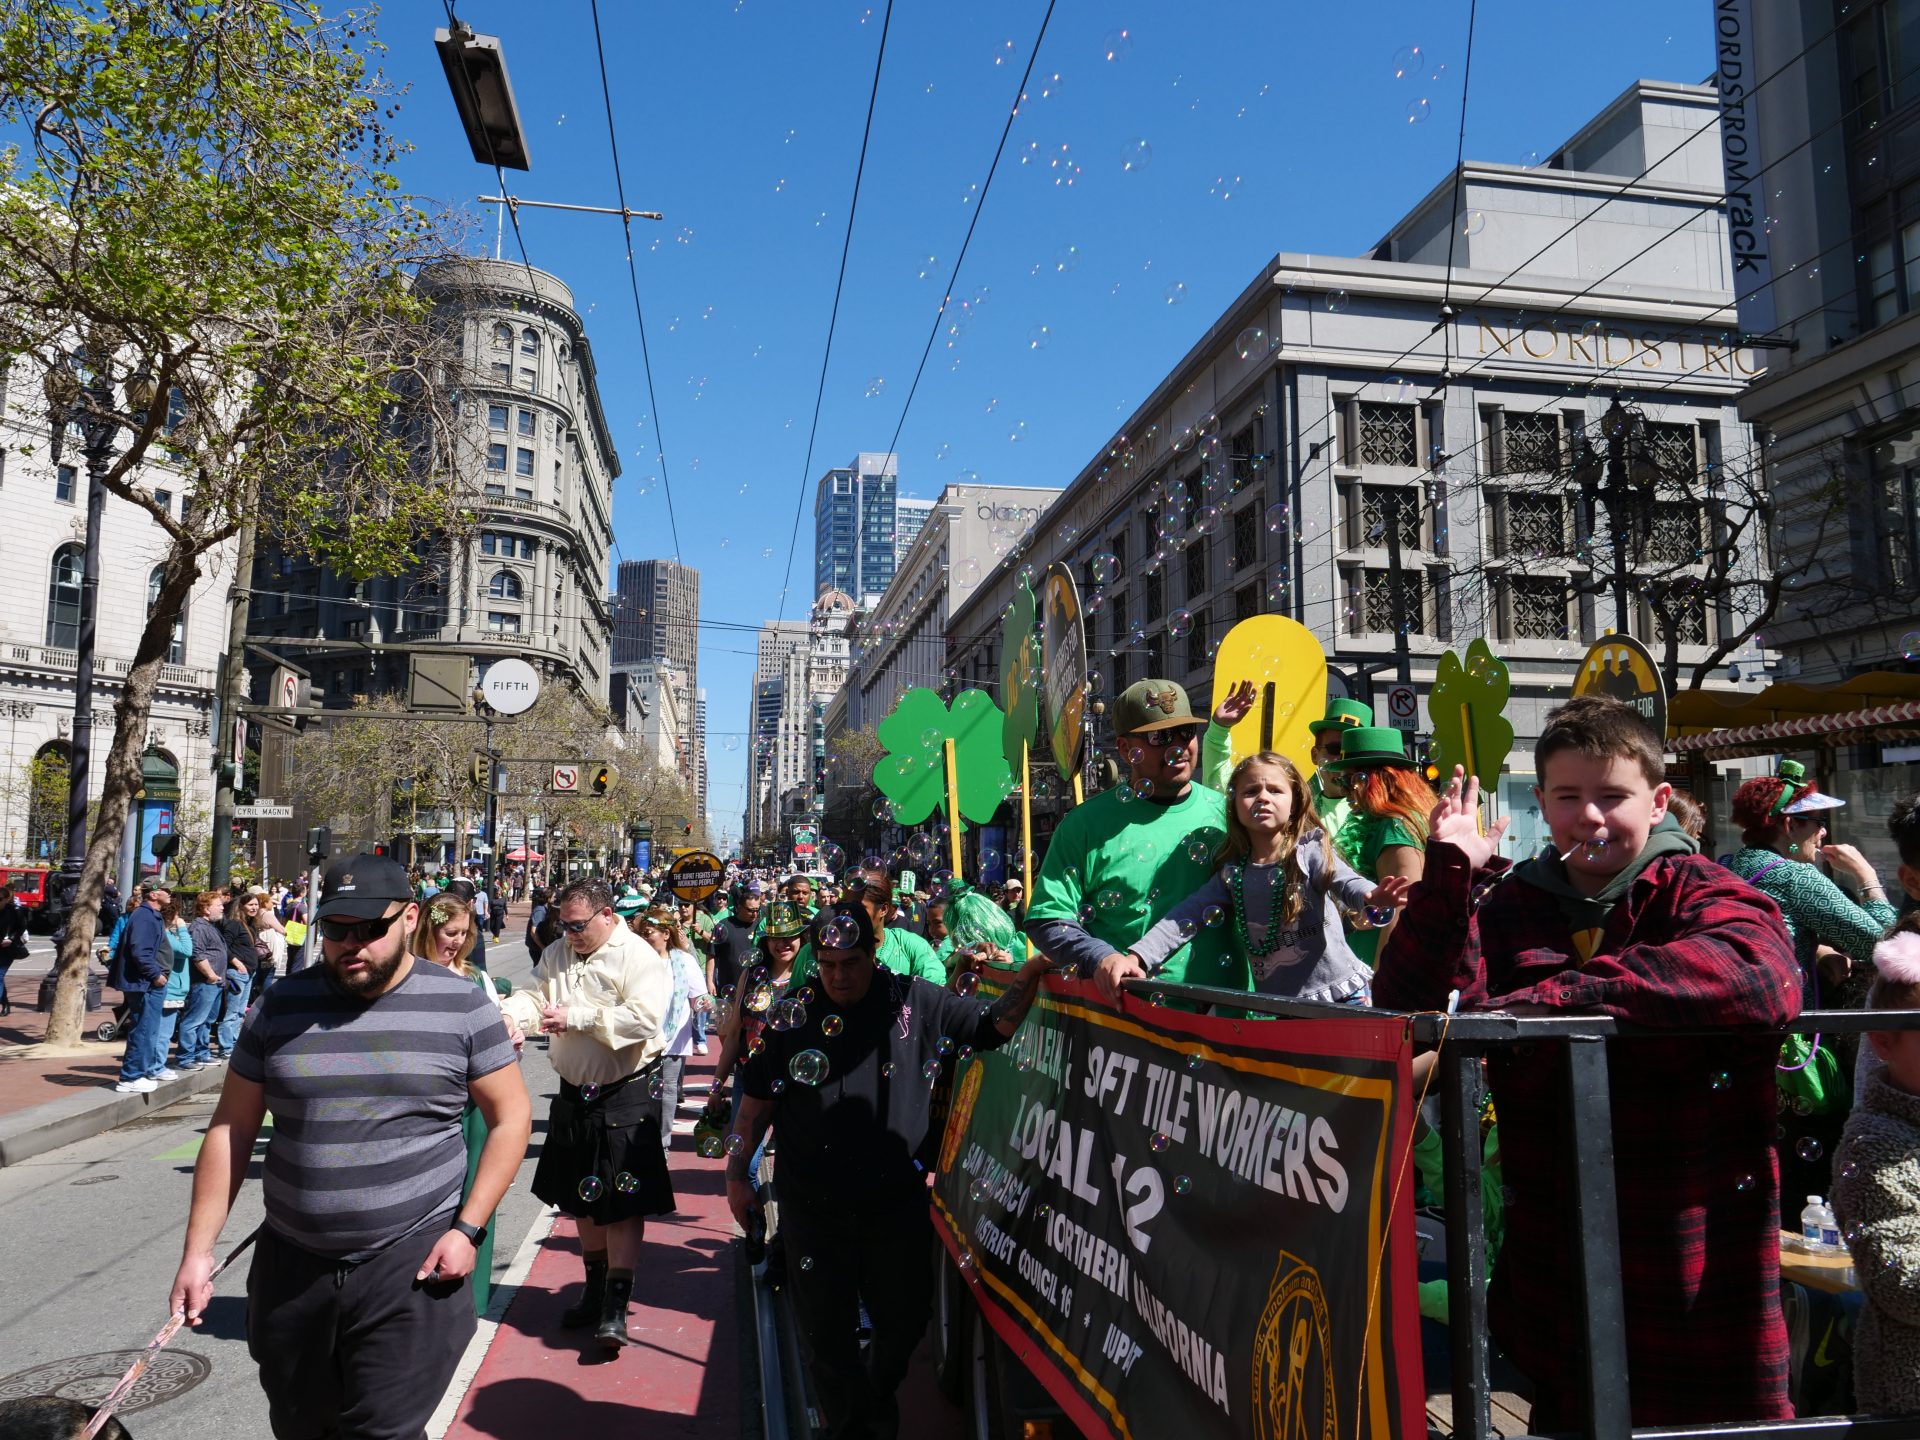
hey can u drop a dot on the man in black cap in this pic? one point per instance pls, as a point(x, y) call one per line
point(357, 1310)
point(848, 1092)
point(734, 935)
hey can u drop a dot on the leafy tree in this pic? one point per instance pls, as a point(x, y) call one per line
point(202, 206)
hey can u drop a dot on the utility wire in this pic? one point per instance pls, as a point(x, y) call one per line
point(1459, 182)
point(833, 316)
point(953, 279)
point(633, 279)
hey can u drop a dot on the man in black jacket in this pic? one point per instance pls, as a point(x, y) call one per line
point(849, 1092)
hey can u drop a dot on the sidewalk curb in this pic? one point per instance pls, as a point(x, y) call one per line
point(503, 1296)
point(91, 1112)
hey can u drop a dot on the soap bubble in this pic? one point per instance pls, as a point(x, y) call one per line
point(656, 1086)
point(1743, 1183)
point(735, 1144)
point(1118, 45)
point(1038, 337)
point(1065, 258)
point(590, 1092)
point(1105, 567)
point(1337, 301)
point(1909, 645)
point(1175, 293)
point(1182, 1184)
point(1277, 517)
point(1109, 899)
point(1180, 624)
point(708, 1147)
point(944, 1046)
point(1379, 916)
point(978, 1191)
point(1809, 1149)
point(806, 1262)
point(1135, 155)
point(787, 1014)
point(1159, 1143)
point(627, 1183)
point(1720, 1081)
point(759, 998)
point(1214, 916)
point(1195, 1061)
point(1199, 849)
point(591, 1188)
point(1406, 60)
point(965, 983)
point(882, 808)
point(886, 1071)
point(1252, 342)
point(1418, 110)
point(831, 1026)
point(1473, 222)
point(930, 1070)
point(809, 1067)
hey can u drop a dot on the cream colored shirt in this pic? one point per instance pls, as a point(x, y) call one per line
point(616, 1000)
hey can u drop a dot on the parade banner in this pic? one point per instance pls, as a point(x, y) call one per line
point(695, 876)
point(1176, 1221)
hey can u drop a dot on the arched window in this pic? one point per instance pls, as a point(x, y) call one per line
point(46, 777)
point(529, 341)
point(177, 646)
point(503, 336)
point(63, 598)
point(505, 585)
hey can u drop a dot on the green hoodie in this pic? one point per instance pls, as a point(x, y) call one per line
point(1586, 915)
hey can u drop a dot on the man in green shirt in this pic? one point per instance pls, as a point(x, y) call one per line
point(1328, 786)
point(896, 948)
point(1120, 861)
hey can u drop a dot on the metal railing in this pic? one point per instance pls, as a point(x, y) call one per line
point(1594, 1216)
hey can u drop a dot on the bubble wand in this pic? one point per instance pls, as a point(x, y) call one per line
point(154, 1347)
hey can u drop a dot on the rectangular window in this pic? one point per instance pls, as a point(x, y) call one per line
point(1536, 525)
point(64, 479)
point(1678, 532)
point(1156, 601)
point(523, 461)
point(526, 422)
point(503, 623)
point(497, 490)
point(502, 373)
point(1388, 434)
point(1196, 569)
point(497, 458)
point(1156, 654)
point(1673, 450)
point(526, 377)
point(1197, 642)
point(496, 417)
point(1896, 486)
point(1539, 608)
point(1243, 458)
point(1244, 550)
point(1380, 504)
point(521, 492)
point(489, 545)
point(1374, 613)
point(1194, 487)
point(1246, 603)
point(1530, 443)
point(1676, 608)
point(164, 499)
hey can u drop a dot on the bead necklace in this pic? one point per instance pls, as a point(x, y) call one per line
point(1237, 887)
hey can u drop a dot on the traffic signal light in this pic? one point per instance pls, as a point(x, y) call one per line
point(163, 846)
point(1424, 757)
point(602, 779)
point(319, 843)
point(480, 771)
point(379, 849)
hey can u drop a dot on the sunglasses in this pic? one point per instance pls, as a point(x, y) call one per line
point(360, 932)
point(1173, 735)
point(575, 927)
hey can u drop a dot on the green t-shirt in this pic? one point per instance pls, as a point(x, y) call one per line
point(1116, 865)
point(1359, 842)
point(901, 951)
point(1333, 810)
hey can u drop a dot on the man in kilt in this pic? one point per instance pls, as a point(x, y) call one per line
point(602, 993)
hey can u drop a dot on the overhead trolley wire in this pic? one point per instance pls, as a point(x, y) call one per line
point(833, 316)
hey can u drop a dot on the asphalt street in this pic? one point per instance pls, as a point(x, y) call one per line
point(94, 1233)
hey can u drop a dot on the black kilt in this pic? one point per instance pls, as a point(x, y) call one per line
point(613, 1138)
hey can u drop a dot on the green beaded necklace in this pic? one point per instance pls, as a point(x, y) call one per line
point(1237, 888)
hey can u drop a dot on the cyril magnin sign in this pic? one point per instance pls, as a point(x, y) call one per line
point(1174, 1221)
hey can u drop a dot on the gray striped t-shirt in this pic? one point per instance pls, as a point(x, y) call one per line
point(366, 1098)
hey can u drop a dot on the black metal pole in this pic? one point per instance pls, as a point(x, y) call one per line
point(1402, 650)
point(1466, 1243)
point(491, 860)
point(1616, 493)
point(80, 773)
point(1596, 1239)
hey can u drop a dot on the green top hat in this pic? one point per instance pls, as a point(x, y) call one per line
point(1343, 715)
point(784, 921)
point(629, 902)
point(1363, 746)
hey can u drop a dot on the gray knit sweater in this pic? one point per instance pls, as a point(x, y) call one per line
point(1876, 1197)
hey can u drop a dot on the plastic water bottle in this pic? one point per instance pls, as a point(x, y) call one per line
point(1819, 1231)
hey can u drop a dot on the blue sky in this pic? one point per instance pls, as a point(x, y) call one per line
point(1096, 264)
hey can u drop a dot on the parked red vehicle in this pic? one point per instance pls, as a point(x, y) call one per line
point(33, 886)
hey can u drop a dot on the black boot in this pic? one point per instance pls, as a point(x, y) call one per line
point(592, 1298)
point(612, 1333)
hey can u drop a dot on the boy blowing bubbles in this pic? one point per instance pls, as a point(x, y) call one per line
point(1623, 917)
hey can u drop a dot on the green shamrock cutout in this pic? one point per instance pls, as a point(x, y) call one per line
point(1019, 675)
point(913, 772)
point(1464, 707)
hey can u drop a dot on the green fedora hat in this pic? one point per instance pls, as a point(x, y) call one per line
point(1364, 746)
point(1342, 715)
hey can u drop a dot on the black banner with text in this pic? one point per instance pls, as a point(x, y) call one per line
point(1177, 1221)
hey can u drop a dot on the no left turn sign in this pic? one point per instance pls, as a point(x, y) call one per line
point(566, 779)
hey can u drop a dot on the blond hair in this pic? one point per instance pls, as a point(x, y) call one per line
point(1302, 817)
point(435, 916)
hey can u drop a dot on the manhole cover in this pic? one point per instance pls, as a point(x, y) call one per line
point(88, 1378)
point(93, 1179)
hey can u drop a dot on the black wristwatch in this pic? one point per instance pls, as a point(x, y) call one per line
point(474, 1233)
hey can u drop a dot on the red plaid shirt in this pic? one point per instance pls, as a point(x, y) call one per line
point(1691, 945)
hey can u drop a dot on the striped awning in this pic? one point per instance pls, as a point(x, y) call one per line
point(1899, 721)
